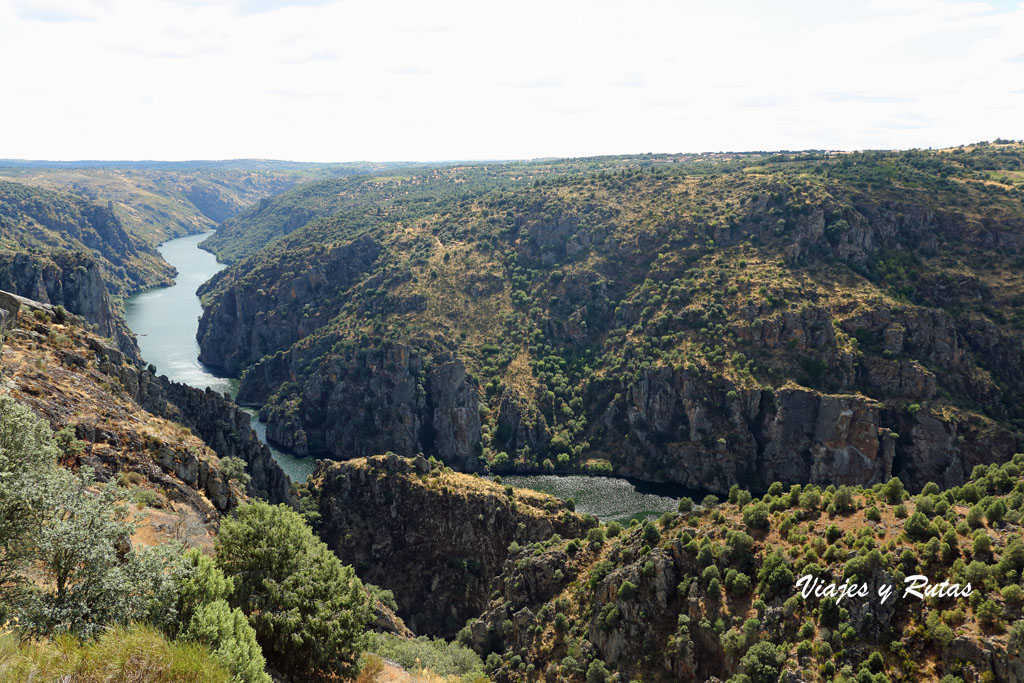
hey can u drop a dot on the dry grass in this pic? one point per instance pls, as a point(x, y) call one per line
point(136, 654)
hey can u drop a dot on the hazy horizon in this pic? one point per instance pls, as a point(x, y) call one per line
point(809, 150)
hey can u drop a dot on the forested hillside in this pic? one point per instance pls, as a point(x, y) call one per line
point(707, 321)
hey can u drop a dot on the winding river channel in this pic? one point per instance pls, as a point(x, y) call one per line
point(165, 321)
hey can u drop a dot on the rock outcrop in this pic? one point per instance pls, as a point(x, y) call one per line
point(71, 280)
point(79, 382)
point(435, 538)
point(363, 401)
point(237, 330)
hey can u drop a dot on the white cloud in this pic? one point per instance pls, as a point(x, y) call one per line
point(319, 80)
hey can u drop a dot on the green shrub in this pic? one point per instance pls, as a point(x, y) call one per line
point(231, 640)
point(756, 515)
point(763, 662)
point(843, 500)
point(893, 491)
point(651, 534)
point(597, 672)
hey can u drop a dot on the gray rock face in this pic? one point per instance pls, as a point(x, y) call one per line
point(365, 401)
point(215, 419)
point(243, 325)
point(66, 279)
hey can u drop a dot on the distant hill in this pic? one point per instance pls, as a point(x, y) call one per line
point(158, 200)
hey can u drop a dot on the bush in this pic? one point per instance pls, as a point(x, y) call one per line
point(1013, 594)
point(308, 609)
point(843, 500)
point(810, 500)
point(235, 470)
point(27, 453)
point(597, 672)
point(85, 577)
point(756, 515)
point(1015, 641)
point(893, 491)
point(441, 657)
point(995, 512)
point(627, 591)
point(775, 574)
point(989, 613)
point(763, 662)
point(231, 640)
point(918, 528)
point(201, 582)
point(740, 585)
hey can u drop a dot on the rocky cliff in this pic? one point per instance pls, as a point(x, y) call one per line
point(435, 538)
point(71, 280)
point(365, 400)
point(218, 424)
point(85, 386)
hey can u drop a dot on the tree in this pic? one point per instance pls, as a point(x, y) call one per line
point(918, 528)
point(763, 662)
point(27, 453)
point(775, 574)
point(627, 591)
point(755, 515)
point(87, 574)
point(308, 609)
point(893, 491)
point(74, 535)
point(235, 469)
point(201, 583)
point(843, 499)
point(651, 533)
point(597, 672)
point(995, 512)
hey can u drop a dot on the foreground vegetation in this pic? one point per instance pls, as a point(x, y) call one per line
point(69, 569)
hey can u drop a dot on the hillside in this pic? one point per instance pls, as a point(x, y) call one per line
point(80, 384)
point(157, 201)
point(713, 592)
point(412, 191)
point(43, 222)
point(707, 321)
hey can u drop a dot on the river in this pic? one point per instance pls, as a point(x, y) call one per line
point(165, 321)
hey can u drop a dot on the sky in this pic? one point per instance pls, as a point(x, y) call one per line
point(345, 80)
